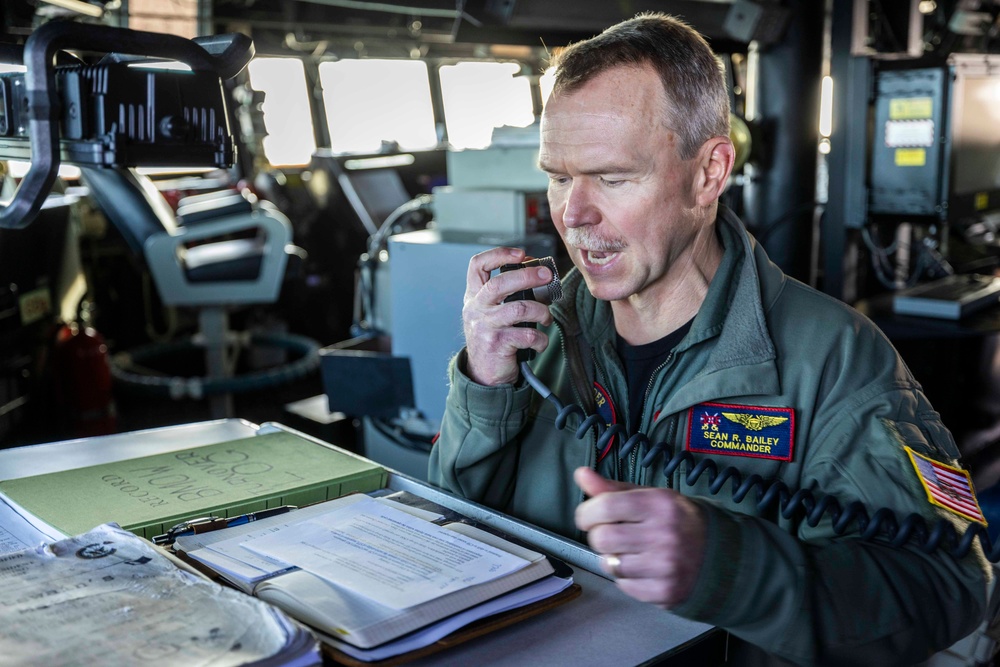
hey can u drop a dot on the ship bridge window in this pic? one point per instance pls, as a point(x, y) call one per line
point(479, 96)
point(290, 140)
point(377, 101)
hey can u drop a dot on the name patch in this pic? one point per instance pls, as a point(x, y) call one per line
point(761, 432)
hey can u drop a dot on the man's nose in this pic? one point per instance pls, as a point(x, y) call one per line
point(579, 208)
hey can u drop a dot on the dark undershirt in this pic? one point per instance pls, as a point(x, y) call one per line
point(640, 361)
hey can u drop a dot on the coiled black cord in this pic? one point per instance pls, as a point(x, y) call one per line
point(776, 494)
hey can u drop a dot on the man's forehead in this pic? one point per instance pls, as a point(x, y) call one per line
point(580, 131)
point(601, 147)
point(599, 125)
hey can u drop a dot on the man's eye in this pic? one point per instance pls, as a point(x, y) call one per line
point(610, 182)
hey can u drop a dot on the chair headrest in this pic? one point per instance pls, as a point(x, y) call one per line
point(231, 203)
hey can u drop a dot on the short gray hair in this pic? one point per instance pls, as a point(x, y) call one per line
point(697, 98)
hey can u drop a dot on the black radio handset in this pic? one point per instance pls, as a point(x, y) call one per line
point(547, 294)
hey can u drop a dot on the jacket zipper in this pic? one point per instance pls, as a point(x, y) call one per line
point(634, 454)
point(573, 387)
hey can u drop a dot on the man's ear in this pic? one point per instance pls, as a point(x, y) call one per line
point(715, 162)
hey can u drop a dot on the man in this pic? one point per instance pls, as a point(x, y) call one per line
point(677, 325)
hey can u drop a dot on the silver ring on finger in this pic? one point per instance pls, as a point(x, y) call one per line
point(614, 562)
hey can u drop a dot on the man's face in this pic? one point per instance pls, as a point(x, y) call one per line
point(621, 197)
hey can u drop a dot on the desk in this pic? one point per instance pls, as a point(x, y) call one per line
point(601, 627)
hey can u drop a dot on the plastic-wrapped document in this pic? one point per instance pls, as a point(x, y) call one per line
point(364, 570)
point(380, 578)
point(108, 597)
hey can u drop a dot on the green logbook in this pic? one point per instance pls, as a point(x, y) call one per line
point(149, 495)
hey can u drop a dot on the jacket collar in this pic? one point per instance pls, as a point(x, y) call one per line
point(746, 283)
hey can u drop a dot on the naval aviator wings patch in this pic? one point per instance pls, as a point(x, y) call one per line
point(756, 431)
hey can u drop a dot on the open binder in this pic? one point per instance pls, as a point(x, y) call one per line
point(483, 580)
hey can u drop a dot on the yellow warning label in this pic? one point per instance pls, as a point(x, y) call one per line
point(911, 157)
point(910, 108)
point(982, 201)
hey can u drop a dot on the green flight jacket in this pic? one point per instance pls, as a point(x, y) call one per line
point(760, 339)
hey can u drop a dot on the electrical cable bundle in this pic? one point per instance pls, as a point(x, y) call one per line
point(364, 295)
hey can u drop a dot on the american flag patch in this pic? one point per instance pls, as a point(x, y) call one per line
point(947, 487)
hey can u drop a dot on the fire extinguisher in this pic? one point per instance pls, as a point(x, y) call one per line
point(82, 380)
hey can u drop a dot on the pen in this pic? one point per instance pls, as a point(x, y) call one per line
point(255, 516)
point(206, 524)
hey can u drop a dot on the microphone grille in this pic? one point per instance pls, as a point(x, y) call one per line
point(553, 290)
